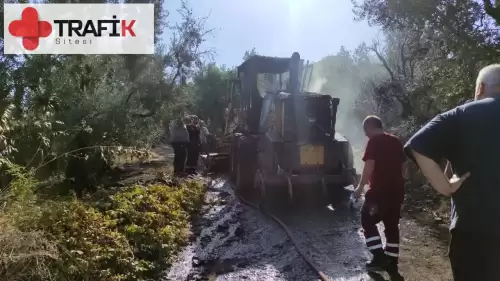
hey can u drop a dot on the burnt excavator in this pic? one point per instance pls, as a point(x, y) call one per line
point(280, 141)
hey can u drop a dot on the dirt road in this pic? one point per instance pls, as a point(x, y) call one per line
point(236, 242)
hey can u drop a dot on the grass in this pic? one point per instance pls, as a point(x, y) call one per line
point(25, 255)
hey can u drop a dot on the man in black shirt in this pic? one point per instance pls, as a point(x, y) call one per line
point(468, 136)
point(194, 146)
point(448, 170)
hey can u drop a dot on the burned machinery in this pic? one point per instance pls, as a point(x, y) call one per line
point(281, 139)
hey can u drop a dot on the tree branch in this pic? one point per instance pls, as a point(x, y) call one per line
point(383, 60)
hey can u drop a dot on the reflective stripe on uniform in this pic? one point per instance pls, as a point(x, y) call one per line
point(372, 239)
point(391, 254)
point(375, 247)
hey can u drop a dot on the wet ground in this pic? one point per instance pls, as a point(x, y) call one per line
point(236, 242)
point(232, 241)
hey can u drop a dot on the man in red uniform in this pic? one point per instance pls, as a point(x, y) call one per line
point(384, 167)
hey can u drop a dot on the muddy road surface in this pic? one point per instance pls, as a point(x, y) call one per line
point(233, 241)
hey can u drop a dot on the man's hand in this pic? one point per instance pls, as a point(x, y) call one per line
point(367, 172)
point(358, 191)
point(456, 182)
point(432, 171)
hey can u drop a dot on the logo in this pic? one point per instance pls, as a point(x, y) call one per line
point(30, 29)
point(79, 28)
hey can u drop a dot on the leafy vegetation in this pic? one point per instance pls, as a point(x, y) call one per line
point(117, 234)
point(65, 121)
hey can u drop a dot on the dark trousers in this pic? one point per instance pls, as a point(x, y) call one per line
point(389, 213)
point(474, 256)
point(179, 156)
point(193, 153)
point(211, 143)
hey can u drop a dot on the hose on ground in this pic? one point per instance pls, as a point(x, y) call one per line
point(320, 274)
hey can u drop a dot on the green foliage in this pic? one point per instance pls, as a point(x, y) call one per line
point(53, 104)
point(129, 234)
point(90, 245)
point(155, 220)
point(71, 117)
point(431, 53)
point(211, 94)
point(493, 10)
point(20, 182)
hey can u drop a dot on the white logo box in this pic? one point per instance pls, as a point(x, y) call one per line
point(97, 14)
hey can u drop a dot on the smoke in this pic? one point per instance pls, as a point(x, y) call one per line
point(331, 76)
point(316, 83)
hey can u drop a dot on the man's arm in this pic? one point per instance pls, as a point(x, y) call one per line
point(365, 176)
point(369, 159)
point(367, 172)
point(432, 171)
point(430, 145)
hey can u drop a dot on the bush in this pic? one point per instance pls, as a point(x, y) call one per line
point(25, 255)
point(155, 219)
point(88, 244)
point(130, 234)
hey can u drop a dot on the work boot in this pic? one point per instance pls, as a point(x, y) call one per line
point(379, 261)
point(392, 269)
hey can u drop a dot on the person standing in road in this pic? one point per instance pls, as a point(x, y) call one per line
point(468, 136)
point(383, 170)
point(179, 139)
point(203, 136)
point(194, 145)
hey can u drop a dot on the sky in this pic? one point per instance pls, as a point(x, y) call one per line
point(314, 28)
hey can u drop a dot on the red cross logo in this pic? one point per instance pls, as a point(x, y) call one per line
point(30, 28)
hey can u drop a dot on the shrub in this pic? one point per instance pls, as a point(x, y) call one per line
point(89, 245)
point(155, 219)
point(116, 235)
point(25, 255)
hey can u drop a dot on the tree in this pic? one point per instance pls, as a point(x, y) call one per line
point(448, 42)
point(73, 114)
point(211, 93)
point(493, 10)
point(250, 53)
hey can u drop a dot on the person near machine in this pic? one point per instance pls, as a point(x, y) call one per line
point(194, 147)
point(179, 139)
point(203, 136)
point(383, 170)
point(468, 137)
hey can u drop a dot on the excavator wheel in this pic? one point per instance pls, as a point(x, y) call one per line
point(292, 199)
point(233, 162)
point(272, 196)
point(243, 177)
point(243, 165)
point(260, 189)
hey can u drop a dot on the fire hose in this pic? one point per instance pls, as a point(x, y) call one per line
point(320, 274)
